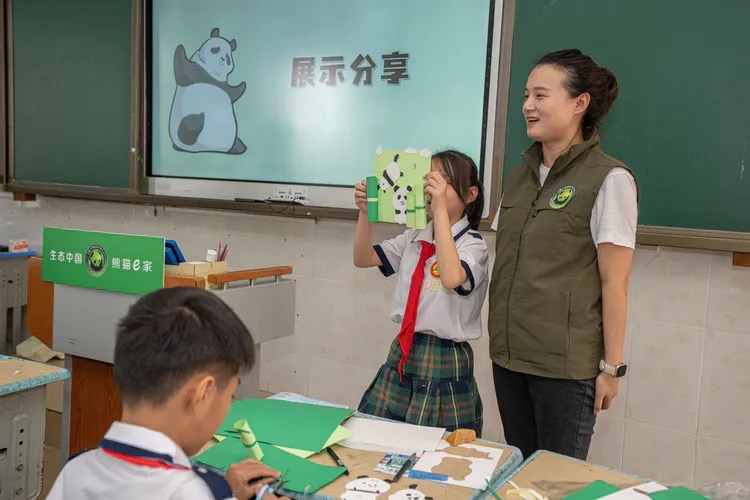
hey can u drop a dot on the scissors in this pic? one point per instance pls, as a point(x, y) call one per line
point(273, 488)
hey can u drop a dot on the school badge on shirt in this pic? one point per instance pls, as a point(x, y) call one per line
point(434, 284)
point(562, 197)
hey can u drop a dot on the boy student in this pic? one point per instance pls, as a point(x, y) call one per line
point(178, 356)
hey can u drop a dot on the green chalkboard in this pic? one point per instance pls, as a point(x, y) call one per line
point(682, 121)
point(71, 92)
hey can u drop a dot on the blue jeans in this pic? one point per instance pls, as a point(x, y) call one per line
point(546, 414)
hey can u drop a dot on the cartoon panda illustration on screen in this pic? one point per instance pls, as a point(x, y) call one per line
point(399, 203)
point(202, 117)
point(390, 175)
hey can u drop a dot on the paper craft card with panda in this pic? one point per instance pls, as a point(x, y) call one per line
point(395, 192)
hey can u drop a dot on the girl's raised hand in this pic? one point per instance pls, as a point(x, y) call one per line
point(436, 188)
point(360, 195)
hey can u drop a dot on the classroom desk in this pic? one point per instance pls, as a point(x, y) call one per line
point(362, 463)
point(557, 476)
point(22, 421)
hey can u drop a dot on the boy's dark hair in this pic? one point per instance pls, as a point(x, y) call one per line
point(462, 173)
point(170, 335)
point(585, 76)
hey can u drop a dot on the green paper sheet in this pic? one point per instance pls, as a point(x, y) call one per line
point(678, 493)
point(296, 452)
point(597, 489)
point(223, 454)
point(299, 472)
point(338, 435)
point(283, 423)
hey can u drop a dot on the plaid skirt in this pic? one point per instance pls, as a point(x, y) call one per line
point(438, 388)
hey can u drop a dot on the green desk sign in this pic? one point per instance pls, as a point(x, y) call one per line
point(105, 261)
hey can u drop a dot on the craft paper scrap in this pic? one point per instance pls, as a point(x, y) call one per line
point(466, 465)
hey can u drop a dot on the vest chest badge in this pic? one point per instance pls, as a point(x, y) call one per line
point(434, 270)
point(562, 197)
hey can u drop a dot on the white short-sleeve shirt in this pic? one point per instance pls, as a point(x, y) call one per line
point(95, 474)
point(453, 314)
point(614, 218)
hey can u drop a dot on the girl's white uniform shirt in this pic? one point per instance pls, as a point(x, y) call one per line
point(453, 314)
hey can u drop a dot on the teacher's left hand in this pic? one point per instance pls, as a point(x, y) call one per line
point(607, 387)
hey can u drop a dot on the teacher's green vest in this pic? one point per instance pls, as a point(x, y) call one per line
point(546, 294)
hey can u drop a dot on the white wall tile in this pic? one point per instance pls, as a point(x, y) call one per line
point(326, 324)
point(607, 443)
point(373, 329)
point(729, 296)
point(664, 378)
point(719, 461)
point(725, 391)
point(282, 371)
point(330, 381)
point(333, 250)
point(659, 453)
point(673, 287)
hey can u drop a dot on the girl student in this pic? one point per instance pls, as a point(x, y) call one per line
point(442, 279)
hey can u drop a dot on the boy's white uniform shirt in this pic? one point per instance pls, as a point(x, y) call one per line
point(95, 474)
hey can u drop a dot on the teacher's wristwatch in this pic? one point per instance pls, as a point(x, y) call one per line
point(613, 370)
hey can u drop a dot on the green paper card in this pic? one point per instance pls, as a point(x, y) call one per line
point(678, 493)
point(283, 423)
point(597, 489)
point(299, 473)
point(223, 454)
point(397, 172)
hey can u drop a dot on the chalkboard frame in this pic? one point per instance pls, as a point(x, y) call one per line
point(134, 170)
point(3, 102)
point(705, 239)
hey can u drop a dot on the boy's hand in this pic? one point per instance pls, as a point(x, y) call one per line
point(246, 478)
point(360, 195)
point(436, 189)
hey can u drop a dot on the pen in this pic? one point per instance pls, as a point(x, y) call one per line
point(492, 489)
point(409, 461)
point(337, 460)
